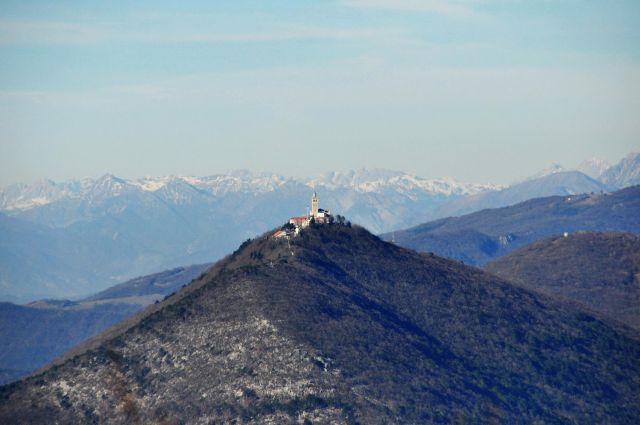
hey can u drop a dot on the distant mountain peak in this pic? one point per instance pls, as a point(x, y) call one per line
point(151, 184)
point(625, 173)
point(108, 185)
point(552, 169)
point(594, 167)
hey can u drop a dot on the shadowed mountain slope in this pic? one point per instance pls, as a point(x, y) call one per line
point(337, 326)
point(598, 270)
point(479, 237)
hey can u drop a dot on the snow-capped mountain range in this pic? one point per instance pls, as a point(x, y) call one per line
point(176, 188)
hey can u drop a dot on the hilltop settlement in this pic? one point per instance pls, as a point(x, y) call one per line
point(315, 216)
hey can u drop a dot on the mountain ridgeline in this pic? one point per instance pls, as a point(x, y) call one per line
point(623, 174)
point(600, 270)
point(484, 235)
point(557, 183)
point(147, 289)
point(337, 326)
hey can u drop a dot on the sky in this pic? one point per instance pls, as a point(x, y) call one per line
point(479, 90)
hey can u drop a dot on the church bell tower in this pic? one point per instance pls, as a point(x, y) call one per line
point(314, 205)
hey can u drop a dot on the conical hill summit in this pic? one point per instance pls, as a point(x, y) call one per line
point(336, 326)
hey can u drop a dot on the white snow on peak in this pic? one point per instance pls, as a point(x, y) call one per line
point(151, 184)
point(377, 180)
point(184, 188)
point(25, 204)
point(181, 188)
point(240, 181)
point(194, 181)
point(594, 167)
point(625, 173)
point(235, 181)
point(42, 192)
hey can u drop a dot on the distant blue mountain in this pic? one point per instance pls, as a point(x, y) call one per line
point(557, 183)
point(481, 236)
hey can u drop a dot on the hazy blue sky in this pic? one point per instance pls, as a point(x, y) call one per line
point(479, 90)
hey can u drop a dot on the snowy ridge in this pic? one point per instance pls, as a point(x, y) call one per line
point(625, 173)
point(594, 167)
point(237, 181)
point(180, 189)
point(377, 180)
point(552, 169)
point(184, 189)
point(22, 197)
point(151, 184)
point(240, 181)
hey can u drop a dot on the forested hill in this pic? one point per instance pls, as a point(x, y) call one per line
point(337, 326)
point(600, 270)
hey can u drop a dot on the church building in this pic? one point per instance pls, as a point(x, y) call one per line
point(317, 214)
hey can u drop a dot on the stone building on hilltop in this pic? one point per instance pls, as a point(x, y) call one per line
point(297, 223)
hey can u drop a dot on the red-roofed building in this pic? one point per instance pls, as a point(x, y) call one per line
point(316, 214)
point(302, 221)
